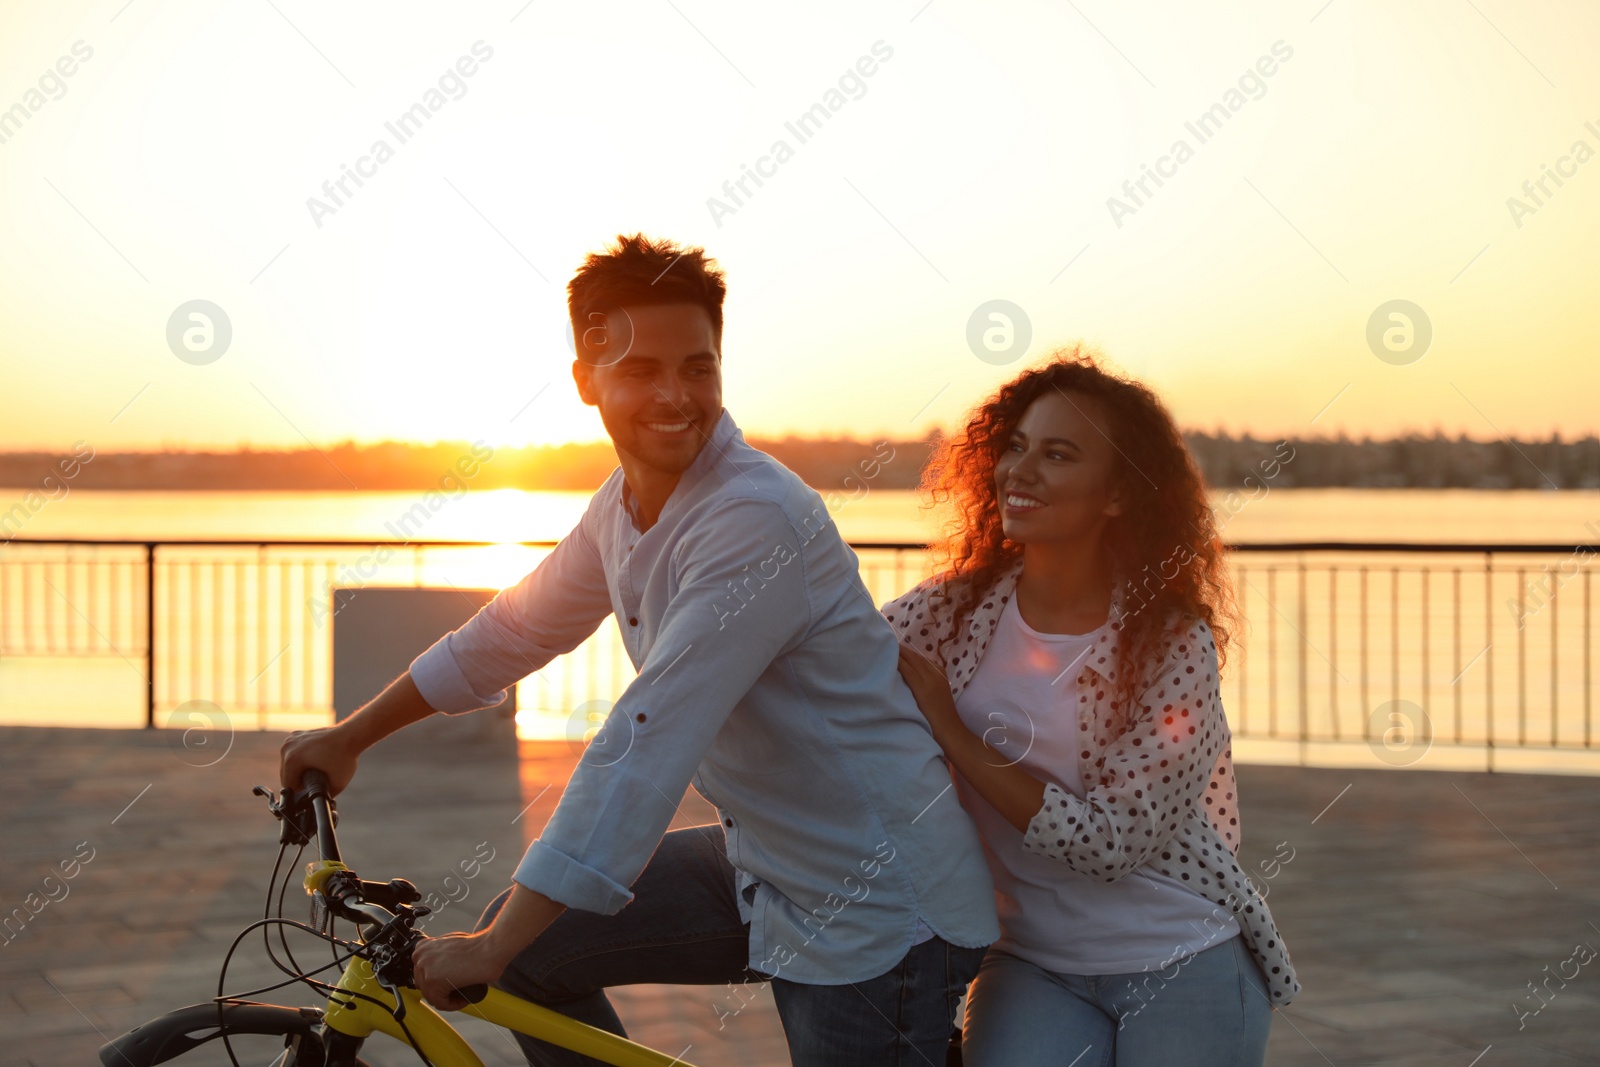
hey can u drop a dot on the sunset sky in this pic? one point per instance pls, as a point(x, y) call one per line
point(1375, 162)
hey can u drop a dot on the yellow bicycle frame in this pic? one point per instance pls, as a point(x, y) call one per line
point(444, 1047)
point(436, 1039)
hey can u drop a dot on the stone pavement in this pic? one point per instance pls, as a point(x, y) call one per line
point(1418, 905)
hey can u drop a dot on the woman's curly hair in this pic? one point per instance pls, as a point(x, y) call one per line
point(1164, 546)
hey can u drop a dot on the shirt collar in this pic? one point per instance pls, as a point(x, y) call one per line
point(723, 434)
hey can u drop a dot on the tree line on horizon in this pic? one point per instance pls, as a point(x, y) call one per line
point(1412, 461)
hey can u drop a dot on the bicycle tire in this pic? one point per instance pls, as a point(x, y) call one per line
point(177, 1033)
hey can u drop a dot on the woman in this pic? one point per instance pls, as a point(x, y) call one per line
point(1066, 659)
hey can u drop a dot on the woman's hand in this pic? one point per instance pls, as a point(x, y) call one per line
point(1014, 793)
point(932, 692)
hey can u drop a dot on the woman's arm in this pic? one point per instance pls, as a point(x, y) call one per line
point(1012, 791)
point(1149, 780)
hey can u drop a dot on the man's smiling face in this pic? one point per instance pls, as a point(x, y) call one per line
point(661, 398)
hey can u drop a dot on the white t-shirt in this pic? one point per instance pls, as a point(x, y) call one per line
point(1023, 700)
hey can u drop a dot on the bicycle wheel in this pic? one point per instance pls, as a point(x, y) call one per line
point(259, 1033)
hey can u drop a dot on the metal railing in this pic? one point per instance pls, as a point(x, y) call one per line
point(1483, 647)
point(1477, 646)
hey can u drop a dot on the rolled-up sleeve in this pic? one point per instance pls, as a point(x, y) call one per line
point(549, 612)
point(712, 646)
point(570, 881)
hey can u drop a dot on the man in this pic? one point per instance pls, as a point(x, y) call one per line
point(843, 871)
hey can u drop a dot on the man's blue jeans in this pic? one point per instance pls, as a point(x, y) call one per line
point(683, 928)
point(1208, 1010)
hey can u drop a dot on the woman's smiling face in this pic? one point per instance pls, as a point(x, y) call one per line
point(1056, 475)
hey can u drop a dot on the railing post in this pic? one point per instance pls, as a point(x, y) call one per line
point(1305, 700)
point(1488, 660)
point(150, 634)
point(1587, 734)
point(1455, 625)
point(1333, 651)
point(1272, 652)
point(1244, 677)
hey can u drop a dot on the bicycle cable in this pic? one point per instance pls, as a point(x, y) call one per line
point(268, 920)
point(296, 974)
point(333, 943)
point(282, 890)
point(294, 970)
point(266, 941)
point(222, 975)
point(292, 979)
point(306, 979)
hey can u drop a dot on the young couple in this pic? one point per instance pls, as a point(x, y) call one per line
point(1064, 665)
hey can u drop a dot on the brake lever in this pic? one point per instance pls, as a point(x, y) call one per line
point(399, 1002)
point(389, 953)
point(292, 809)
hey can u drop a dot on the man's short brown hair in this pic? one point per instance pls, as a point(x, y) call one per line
point(638, 271)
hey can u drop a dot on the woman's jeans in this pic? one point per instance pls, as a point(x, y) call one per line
point(682, 928)
point(1209, 1010)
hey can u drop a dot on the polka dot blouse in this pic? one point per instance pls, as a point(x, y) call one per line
point(1160, 796)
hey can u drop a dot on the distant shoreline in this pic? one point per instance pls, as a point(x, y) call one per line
point(1227, 462)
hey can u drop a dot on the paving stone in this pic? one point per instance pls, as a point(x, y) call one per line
point(1417, 904)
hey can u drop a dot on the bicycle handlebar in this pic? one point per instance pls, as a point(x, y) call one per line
point(315, 787)
point(315, 783)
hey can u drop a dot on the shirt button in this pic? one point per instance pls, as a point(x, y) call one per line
point(633, 620)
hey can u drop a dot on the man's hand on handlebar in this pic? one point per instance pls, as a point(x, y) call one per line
point(445, 965)
point(329, 749)
point(442, 966)
point(335, 749)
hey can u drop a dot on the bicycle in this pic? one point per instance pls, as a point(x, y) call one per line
point(374, 993)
